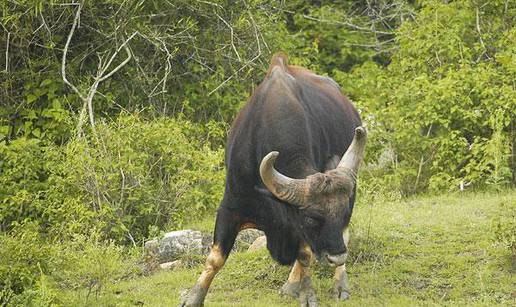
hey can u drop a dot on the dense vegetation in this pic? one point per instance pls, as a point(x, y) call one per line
point(113, 114)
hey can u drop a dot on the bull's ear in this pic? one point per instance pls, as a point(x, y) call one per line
point(283, 187)
point(355, 153)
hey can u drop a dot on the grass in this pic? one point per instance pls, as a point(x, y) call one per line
point(424, 251)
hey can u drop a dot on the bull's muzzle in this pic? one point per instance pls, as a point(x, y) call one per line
point(336, 260)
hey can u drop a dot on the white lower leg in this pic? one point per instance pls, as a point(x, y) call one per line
point(341, 283)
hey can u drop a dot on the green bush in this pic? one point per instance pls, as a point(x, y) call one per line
point(64, 208)
point(138, 174)
point(445, 103)
point(133, 176)
point(89, 262)
point(504, 225)
point(23, 256)
point(33, 269)
point(23, 177)
point(432, 79)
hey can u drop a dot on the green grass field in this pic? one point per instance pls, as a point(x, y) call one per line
point(425, 251)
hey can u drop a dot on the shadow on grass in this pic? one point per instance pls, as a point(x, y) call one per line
point(510, 261)
point(368, 249)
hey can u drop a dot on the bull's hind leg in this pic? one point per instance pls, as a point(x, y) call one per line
point(341, 282)
point(226, 230)
point(299, 283)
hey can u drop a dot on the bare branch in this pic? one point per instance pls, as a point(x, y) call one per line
point(480, 35)
point(82, 115)
point(422, 161)
point(129, 56)
point(7, 52)
point(65, 51)
point(233, 75)
point(347, 24)
point(101, 77)
point(437, 57)
point(255, 32)
point(232, 40)
point(44, 23)
point(168, 68)
point(371, 45)
point(89, 100)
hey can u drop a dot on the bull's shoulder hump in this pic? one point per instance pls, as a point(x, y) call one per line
point(310, 76)
point(330, 81)
point(279, 59)
point(279, 68)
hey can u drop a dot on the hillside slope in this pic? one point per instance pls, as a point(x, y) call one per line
point(420, 251)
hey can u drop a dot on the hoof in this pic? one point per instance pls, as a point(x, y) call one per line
point(307, 296)
point(308, 300)
point(342, 296)
point(341, 288)
point(290, 289)
point(194, 297)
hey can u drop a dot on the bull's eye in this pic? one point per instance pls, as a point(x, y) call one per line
point(311, 222)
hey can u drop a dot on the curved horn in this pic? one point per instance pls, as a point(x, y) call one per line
point(284, 188)
point(355, 153)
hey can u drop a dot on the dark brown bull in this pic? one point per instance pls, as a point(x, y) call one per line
point(292, 157)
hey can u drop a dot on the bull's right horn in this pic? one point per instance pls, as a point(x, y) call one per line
point(355, 153)
point(284, 188)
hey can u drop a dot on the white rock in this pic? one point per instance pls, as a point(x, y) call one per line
point(170, 265)
point(245, 238)
point(174, 244)
point(259, 243)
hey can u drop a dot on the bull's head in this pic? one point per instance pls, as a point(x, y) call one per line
point(322, 199)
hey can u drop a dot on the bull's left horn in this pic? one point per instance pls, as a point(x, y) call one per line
point(284, 188)
point(355, 153)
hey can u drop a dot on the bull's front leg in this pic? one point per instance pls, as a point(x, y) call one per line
point(341, 282)
point(214, 263)
point(299, 283)
point(226, 230)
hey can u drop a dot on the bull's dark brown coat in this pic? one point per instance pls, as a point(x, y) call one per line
point(310, 124)
point(308, 121)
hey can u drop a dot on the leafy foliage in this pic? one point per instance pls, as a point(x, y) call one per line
point(504, 225)
point(134, 175)
point(182, 52)
point(33, 271)
point(446, 103)
point(21, 263)
point(433, 80)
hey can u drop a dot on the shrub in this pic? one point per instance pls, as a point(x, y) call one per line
point(23, 256)
point(23, 177)
point(33, 270)
point(445, 103)
point(131, 177)
point(139, 174)
point(90, 262)
point(504, 225)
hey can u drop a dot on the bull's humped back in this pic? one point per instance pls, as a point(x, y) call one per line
point(301, 115)
point(305, 118)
